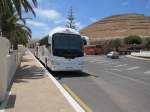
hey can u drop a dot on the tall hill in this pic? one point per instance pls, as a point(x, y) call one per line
point(118, 26)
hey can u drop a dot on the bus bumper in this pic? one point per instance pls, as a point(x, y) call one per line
point(67, 68)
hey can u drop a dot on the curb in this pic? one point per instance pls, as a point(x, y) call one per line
point(4, 103)
point(138, 58)
point(68, 97)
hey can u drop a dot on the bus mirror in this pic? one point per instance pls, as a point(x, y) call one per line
point(49, 41)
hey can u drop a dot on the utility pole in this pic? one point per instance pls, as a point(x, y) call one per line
point(71, 20)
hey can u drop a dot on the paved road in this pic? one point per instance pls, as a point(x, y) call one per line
point(109, 85)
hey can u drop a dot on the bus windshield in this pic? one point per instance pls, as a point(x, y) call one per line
point(67, 45)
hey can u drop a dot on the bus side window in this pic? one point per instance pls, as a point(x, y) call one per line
point(49, 48)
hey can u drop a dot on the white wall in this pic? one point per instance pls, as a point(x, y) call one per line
point(4, 51)
point(145, 54)
point(9, 63)
point(11, 66)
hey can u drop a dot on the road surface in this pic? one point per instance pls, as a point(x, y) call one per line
point(111, 85)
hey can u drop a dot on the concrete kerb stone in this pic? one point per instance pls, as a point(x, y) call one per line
point(69, 98)
point(138, 58)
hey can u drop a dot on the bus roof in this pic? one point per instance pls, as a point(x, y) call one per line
point(63, 30)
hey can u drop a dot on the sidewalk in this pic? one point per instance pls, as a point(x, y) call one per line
point(34, 91)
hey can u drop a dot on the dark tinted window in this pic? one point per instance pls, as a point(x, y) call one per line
point(67, 45)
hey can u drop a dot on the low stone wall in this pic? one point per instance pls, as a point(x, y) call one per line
point(9, 63)
point(4, 51)
point(143, 54)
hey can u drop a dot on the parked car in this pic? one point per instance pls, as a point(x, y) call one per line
point(113, 55)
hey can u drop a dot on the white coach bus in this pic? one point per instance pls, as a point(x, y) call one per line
point(65, 51)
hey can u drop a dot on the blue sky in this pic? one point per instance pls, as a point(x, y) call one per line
point(53, 13)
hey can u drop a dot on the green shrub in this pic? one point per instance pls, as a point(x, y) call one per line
point(115, 43)
point(147, 42)
point(44, 41)
point(133, 39)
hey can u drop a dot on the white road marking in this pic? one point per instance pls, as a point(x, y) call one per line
point(114, 63)
point(103, 61)
point(121, 65)
point(147, 72)
point(133, 68)
point(91, 61)
point(129, 78)
point(94, 60)
point(100, 62)
point(110, 61)
point(116, 70)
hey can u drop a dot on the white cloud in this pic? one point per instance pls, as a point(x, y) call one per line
point(60, 21)
point(36, 23)
point(48, 13)
point(79, 25)
point(125, 3)
point(148, 5)
point(39, 0)
point(92, 19)
point(46, 28)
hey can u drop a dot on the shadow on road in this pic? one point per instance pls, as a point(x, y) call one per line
point(11, 102)
point(68, 74)
point(28, 72)
point(8, 104)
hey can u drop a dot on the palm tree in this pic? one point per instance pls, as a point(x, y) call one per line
point(21, 34)
point(12, 24)
point(15, 29)
point(14, 7)
point(17, 5)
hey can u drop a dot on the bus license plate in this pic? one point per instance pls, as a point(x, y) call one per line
point(68, 68)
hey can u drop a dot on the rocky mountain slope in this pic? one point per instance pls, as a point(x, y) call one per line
point(118, 26)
